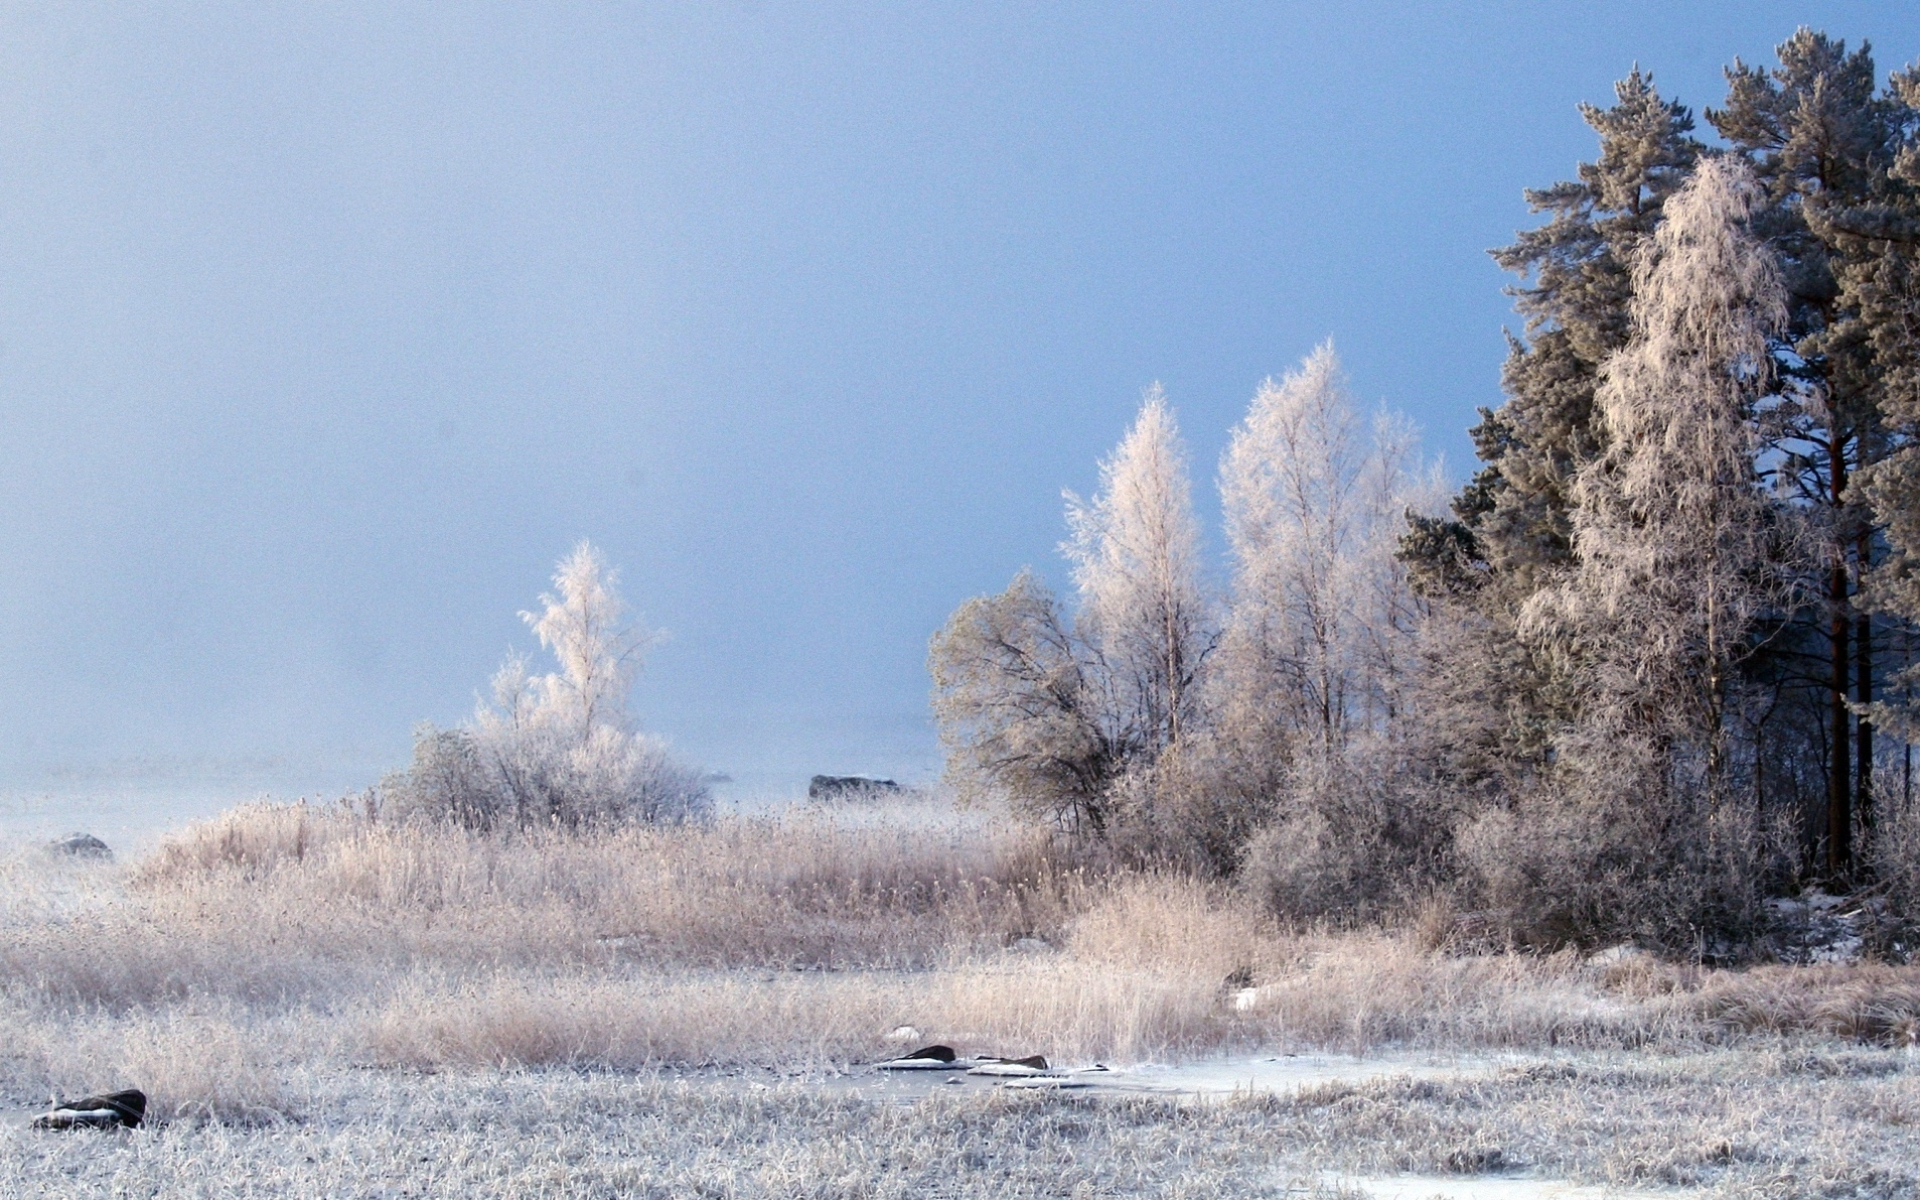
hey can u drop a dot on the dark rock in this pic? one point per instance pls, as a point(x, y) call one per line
point(1475, 1160)
point(850, 787)
point(81, 845)
point(926, 1058)
point(1033, 1064)
point(112, 1110)
point(936, 1053)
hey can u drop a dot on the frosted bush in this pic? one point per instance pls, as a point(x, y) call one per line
point(558, 748)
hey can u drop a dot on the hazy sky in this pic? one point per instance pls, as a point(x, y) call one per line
point(326, 329)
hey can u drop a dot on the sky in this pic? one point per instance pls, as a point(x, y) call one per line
point(326, 329)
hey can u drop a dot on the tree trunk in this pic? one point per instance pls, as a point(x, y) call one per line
point(1863, 692)
point(1840, 771)
point(1863, 728)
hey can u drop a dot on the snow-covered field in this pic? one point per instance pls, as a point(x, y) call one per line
point(323, 1004)
point(1754, 1122)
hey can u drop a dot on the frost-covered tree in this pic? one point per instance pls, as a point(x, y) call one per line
point(1511, 526)
point(1023, 710)
point(1135, 550)
point(1644, 825)
point(1057, 712)
point(1321, 616)
point(1514, 518)
point(557, 748)
point(600, 653)
point(1678, 547)
point(1310, 678)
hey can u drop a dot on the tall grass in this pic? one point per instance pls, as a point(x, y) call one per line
point(279, 935)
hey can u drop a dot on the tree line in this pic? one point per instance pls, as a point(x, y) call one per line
point(1651, 665)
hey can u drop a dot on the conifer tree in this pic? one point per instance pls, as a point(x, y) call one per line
point(1513, 518)
point(1821, 139)
point(1880, 279)
point(1511, 531)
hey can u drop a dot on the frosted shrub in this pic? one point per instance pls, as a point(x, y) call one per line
point(1356, 836)
point(556, 748)
point(1894, 858)
point(1621, 844)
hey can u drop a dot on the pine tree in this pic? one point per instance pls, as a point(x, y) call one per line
point(1511, 531)
point(1514, 516)
point(1821, 141)
point(1880, 278)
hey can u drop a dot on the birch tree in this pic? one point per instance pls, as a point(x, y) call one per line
point(1057, 712)
point(1135, 549)
point(1315, 500)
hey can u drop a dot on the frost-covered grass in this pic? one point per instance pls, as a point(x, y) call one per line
point(278, 979)
point(1736, 1123)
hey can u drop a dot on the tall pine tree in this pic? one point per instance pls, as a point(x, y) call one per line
point(1821, 140)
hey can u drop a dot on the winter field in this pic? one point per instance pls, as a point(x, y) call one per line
point(323, 1003)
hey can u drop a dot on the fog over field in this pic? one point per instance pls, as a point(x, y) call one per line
point(325, 332)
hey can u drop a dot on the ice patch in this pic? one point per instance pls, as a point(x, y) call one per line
point(1477, 1187)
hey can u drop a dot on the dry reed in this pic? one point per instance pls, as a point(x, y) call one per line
point(797, 941)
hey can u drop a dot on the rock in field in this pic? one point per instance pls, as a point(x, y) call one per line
point(926, 1058)
point(81, 845)
point(110, 1111)
point(850, 787)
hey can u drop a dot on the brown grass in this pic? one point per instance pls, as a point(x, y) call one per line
point(277, 935)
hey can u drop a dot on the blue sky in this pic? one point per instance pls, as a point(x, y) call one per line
point(325, 329)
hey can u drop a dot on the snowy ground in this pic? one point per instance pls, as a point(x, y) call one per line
point(1751, 1123)
point(1247, 1075)
point(365, 1009)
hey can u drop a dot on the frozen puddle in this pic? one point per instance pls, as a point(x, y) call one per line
point(1282, 1073)
point(1475, 1187)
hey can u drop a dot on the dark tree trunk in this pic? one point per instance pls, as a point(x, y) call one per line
point(1863, 728)
point(1840, 771)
